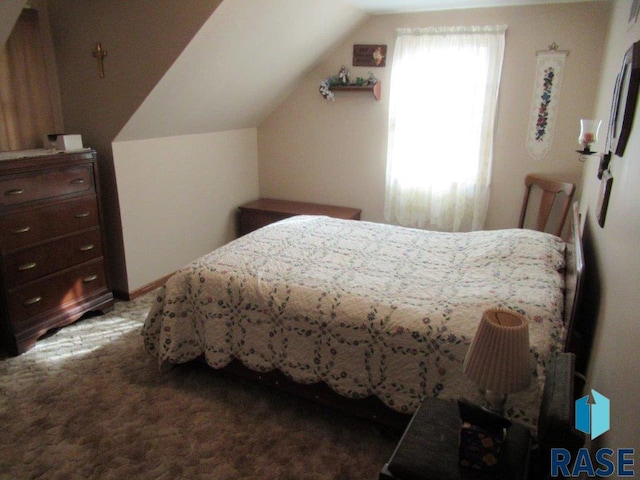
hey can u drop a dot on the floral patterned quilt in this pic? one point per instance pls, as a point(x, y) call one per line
point(369, 309)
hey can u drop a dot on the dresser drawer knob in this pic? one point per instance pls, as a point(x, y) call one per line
point(14, 192)
point(32, 301)
point(81, 215)
point(77, 181)
point(90, 278)
point(86, 248)
point(27, 266)
point(17, 231)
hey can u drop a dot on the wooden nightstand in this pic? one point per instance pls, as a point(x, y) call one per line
point(428, 449)
point(264, 211)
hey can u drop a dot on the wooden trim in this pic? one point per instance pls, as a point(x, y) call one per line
point(143, 290)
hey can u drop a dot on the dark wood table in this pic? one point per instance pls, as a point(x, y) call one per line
point(264, 211)
point(428, 449)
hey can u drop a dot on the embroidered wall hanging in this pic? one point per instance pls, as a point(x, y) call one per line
point(546, 96)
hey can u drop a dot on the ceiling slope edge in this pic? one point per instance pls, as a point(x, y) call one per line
point(240, 65)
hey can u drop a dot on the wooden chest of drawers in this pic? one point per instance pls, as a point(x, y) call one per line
point(264, 211)
point(52, 257)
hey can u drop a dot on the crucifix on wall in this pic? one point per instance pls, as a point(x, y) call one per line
point(99, 54)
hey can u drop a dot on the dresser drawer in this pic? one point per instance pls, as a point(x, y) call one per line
point(44, 184)
point(56, 293)
point(52, 257)
point(21, 229)
point(36, 262)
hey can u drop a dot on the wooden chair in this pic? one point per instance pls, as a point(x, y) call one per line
point(550, 190)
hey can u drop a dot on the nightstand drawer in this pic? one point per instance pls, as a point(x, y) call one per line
point(21, 229)
point(36, 262)
point(56, 292)
point(46, 184)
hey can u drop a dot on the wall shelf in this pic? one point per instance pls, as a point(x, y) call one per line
point(374, 89)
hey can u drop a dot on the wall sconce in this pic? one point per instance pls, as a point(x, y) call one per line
point(588, 135)
point(498, 358)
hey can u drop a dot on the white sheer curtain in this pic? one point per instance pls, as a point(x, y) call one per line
point(442, 109)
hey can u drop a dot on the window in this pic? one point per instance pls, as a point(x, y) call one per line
point(442, 108)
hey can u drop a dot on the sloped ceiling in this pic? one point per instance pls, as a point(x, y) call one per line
point(242, 63)
point(396, 6)
point(249, 55)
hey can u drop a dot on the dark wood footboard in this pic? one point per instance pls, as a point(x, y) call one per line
point(370, 407)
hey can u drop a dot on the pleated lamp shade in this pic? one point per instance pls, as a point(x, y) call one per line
point(498, 358)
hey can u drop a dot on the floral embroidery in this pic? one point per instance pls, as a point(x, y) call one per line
point(543, 110)
point(545, 101)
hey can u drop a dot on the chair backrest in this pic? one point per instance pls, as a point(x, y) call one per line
point(550, 190)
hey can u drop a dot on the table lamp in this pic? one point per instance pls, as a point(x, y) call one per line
point(498, 358)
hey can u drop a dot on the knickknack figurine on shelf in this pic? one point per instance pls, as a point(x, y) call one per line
point(344, 82)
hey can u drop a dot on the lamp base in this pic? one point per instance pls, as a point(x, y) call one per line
point(494, 402)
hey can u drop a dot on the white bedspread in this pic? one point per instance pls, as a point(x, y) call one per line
point(370, 309)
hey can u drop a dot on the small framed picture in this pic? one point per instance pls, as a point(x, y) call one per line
point(369, 55)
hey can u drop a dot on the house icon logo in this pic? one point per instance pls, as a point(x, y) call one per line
point(592, 418)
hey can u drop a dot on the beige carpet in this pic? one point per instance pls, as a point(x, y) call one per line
point(89, 402)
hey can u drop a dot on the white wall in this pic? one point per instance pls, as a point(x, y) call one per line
point(179, 197)
point(613, 259)
point(142, 39)
point(315, 150)
point(175, 69)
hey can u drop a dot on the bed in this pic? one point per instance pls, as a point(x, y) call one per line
point(362, 311)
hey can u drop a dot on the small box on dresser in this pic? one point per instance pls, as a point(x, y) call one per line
point(53, 266)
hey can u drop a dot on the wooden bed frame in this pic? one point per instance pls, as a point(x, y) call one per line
point(574, 277)
point(577, 341)
point(372, 408)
